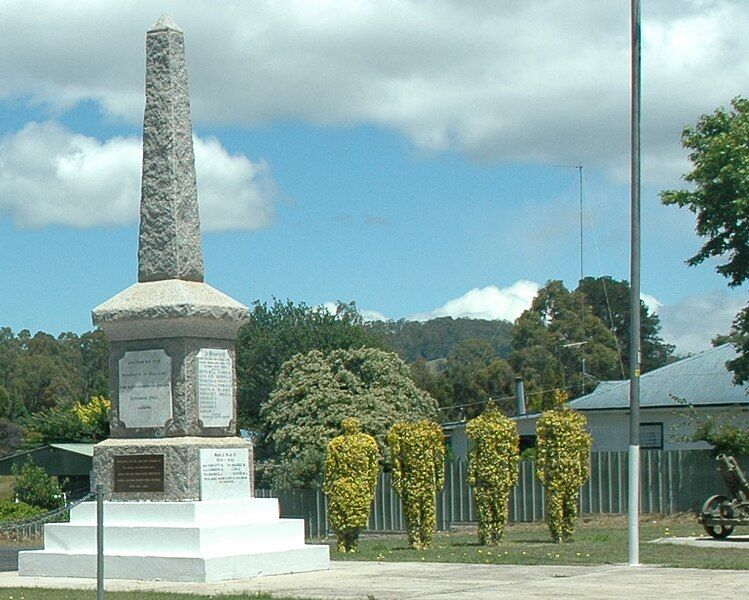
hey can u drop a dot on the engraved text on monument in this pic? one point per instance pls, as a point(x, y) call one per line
point(215, 386)
point(224, 473)
point(145, 398)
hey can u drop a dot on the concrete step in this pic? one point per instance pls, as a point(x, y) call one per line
point(250, 510)
point(220, 567)
point(176, 540)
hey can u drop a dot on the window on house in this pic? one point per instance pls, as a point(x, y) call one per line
point(651, 436)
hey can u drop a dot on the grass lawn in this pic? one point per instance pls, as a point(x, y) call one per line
point(600, 540)
point(46, 594)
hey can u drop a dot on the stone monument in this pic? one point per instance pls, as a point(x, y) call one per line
point(177, 480)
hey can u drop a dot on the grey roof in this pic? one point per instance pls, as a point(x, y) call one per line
point(604, 385)
point(701, 379)
point(85, 449)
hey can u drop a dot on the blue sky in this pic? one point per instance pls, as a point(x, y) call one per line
point(400, 154)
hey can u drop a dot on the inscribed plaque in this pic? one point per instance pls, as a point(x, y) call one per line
point(145, 388)
point(139, 473)
point(224, 473)
point(215, 387)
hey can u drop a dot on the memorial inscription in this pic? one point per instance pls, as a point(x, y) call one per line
point(145, 390)
point(224, 473)
point(139, 473)
point(215, 387)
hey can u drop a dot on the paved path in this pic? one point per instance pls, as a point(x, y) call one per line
point(735, 541)
point(439, 581)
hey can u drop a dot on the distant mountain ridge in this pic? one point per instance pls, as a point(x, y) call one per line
point(434, 339)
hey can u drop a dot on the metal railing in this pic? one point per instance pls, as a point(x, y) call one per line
point(32, 528)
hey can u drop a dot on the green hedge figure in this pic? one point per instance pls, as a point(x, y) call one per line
point(418, 455)
point(562, 464)
point(351, 468)
point(492, 470)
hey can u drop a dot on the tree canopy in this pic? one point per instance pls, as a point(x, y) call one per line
point(553, 337)
point(609, 300)
point(37, 372)
point(464, 382)
point(436, 338)
point(316, 391)
point(719, 196)
point(475, 373)
point(277, 332)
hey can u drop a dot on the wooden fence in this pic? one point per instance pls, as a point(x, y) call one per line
point(671, 481)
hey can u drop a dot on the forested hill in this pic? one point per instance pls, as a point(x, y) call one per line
point(432, 339)
point(40, 371)
point(42, 377)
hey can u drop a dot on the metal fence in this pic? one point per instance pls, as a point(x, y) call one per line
point(32, 528)
point(671, 481)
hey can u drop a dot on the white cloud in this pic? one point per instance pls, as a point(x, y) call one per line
point(490, 302)
point(330, 307)
point(372, 315)
point(651, 302)
point(233, 192)
point(530, 81)
point(691, 323)
point(367, 315)
point(50, 175)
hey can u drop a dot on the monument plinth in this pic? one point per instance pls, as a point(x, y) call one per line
point(177, 479)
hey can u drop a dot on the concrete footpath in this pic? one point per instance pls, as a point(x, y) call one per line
point(440, 581)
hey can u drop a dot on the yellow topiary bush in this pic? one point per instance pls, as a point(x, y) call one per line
point(351, 467)
point(418, 455)
point(492, 470)
point(562, 464)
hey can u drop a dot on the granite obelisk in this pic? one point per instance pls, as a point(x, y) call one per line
point(169, 244)
point(171, 335)
point(177, 479)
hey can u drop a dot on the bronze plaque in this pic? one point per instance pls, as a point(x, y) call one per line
point(139, 473)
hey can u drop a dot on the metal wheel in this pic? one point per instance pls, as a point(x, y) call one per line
point(717, 507)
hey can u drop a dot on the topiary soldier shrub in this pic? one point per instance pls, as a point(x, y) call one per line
point(492, 469)
point(562, 464)
point(418, 455)
point(351, 467)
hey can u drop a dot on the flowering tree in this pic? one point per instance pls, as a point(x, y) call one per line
point(562, 464)
point(351, 468)
point(315, 391)
point(418, 455)
point(492, 470)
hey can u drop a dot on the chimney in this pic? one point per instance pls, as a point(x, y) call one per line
point(519, 397)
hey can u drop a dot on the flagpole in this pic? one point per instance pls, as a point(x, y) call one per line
point(633, 495)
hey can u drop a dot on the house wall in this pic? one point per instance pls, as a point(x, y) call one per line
point(610, 428)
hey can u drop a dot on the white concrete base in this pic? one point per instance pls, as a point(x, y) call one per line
point(177, 541)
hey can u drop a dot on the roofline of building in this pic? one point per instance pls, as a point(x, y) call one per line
point(56, 445)
point(744, 405)
point(614, 383)
point(678, 406)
